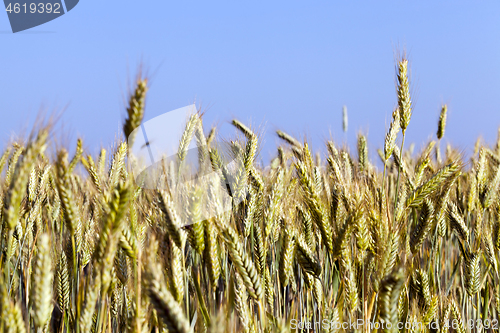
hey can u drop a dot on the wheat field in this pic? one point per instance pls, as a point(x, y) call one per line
point(314, 243)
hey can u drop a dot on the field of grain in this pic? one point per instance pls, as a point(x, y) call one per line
point(311, 242)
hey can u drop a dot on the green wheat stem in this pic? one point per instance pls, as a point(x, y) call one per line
point(399, 173)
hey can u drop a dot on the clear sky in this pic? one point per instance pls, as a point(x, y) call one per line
point(288, 65)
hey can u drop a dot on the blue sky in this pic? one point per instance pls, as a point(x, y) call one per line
point(288, 65)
